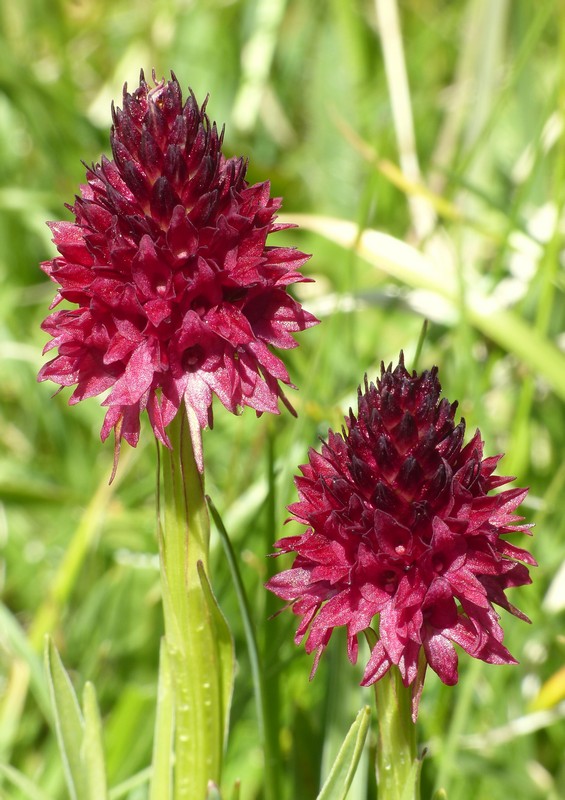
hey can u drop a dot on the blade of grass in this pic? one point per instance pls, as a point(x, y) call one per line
point(257, 56)
point(421, 212)
point(441, 205)
point(23, 783)
point(420, 345)
point(271, 688)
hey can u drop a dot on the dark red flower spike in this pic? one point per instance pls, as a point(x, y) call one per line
point(176, 294)
point(402, 533)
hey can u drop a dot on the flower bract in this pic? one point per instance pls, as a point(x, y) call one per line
point(403, 533)
point(174, 294)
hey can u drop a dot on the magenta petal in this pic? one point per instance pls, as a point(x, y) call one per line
point(289, 584)
point(136, 379)
point(377, 666)
point(441, 657)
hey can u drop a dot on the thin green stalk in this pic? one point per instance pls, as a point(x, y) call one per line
point(398, 767)
point(194, 629)
point(270, 649)
point(257, 671)
point(420, 344)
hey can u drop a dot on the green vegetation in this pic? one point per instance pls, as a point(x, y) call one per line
point(304, 93)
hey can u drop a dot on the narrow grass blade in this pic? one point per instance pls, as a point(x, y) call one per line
point(251, 641)
point(69, 724)
point(163, 750)
point(26, 786)
point(92, 746)
point(268, 644)
point(420, 345)
point(341, 774)
point(423, 217)
point(257, 57)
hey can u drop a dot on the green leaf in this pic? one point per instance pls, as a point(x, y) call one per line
point(163, 750)
point(342, 772)
point(92, 750)
point(69, 724)
point(412, 785)
point(224, 645)
point(23, 783)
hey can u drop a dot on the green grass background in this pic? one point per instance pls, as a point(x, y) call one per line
point(304, 93)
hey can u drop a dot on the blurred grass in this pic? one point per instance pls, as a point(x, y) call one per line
point(300, 85)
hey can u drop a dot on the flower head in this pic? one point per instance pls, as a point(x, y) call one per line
point(400, 524)
point(176, 295)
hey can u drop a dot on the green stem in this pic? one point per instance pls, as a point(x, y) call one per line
point(194, 658)
point(398, 767)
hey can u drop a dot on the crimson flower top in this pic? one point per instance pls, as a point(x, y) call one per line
point(400, 524)
point(175, 293)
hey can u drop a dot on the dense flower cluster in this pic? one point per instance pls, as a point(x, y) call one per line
point(176, 294)
point(400, 524)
